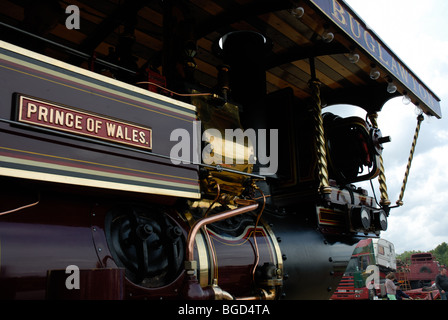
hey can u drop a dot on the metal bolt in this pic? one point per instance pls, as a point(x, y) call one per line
point(278, 272)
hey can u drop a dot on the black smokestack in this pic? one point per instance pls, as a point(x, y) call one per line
point(244, 52)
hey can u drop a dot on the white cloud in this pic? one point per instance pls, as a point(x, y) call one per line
point(422, 223)
point(415, 33)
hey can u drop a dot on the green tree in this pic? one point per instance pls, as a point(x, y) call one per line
point(406, 256)
point(441, 253)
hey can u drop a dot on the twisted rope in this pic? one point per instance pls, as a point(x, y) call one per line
point(382, 175)
point(420, 119)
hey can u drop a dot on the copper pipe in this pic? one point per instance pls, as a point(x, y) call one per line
point(208, 220)
point(214, 201)
point(252, 298)
point(20, 208)
point(221, 294)
point(176, 93)
point(264, 295)
point(209, 242)
point(257, 254)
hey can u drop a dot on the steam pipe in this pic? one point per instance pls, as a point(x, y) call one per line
point(208, 220)
point(192, 288)
point(264, 295)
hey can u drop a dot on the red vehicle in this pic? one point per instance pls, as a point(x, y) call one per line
point(420, 272)
point(180, 149)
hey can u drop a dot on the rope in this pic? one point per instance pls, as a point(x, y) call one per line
point(420, 119)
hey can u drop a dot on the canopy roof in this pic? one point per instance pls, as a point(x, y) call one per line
point(292, 38)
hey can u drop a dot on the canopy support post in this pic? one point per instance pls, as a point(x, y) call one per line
point(322, 165)
point(385, 202)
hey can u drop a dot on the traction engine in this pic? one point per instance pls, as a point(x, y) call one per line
point(247, 236)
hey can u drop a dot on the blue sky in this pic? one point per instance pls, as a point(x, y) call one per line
point(417, 32)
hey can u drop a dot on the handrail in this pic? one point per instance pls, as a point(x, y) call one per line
point(72, 51)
